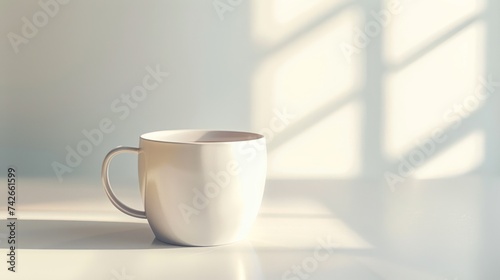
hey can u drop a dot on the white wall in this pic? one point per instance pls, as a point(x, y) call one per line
point(352, 116)
point(66, 78)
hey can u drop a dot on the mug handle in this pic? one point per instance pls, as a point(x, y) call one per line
point(107, 187)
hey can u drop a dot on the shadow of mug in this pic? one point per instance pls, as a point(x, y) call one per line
point(236, 261)
point(84, 235)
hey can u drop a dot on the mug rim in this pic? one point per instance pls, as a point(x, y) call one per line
point(243, 136)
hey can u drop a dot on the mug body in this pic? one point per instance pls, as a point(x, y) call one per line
point(201, 188)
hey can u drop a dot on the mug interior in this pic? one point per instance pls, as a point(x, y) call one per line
point(200, 136)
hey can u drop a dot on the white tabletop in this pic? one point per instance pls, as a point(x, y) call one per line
point(319, 229)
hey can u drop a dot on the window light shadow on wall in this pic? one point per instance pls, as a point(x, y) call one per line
point(358, 116)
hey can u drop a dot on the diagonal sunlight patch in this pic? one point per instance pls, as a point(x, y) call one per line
point(410, 33)
point(297, 221)
point(329, 148)
point(303, 232)
point(424, 96)
point(462, 157)
point(300, 233)
point(305, 73)
point(276, 20)
point(310, 76)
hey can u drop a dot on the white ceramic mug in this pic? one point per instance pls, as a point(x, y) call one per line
point(199, 187)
